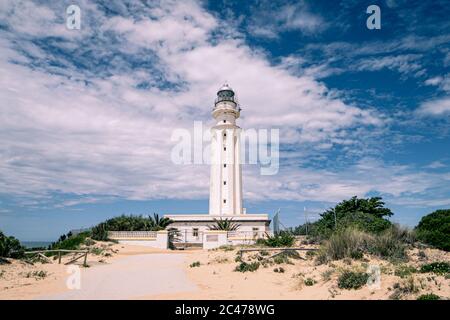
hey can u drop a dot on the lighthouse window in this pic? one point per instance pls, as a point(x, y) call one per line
point(224, 165)
point(224, 121)
point(224, 134)
point(224, 148)
point(224, 200)
point(224, 183)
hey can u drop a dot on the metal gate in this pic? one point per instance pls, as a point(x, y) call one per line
point(184, 239)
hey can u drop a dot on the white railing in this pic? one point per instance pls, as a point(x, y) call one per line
point(117, 235)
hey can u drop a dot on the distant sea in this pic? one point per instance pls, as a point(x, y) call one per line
point(36, 244)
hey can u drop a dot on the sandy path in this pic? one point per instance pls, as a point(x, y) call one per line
point(132, 277)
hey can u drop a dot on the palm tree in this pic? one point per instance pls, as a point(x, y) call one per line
point(225, 225)
point(156, 223)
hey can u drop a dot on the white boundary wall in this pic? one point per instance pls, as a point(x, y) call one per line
point(158, 239)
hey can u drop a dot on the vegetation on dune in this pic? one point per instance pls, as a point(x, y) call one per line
point(195, 264)
point(10, 247)
point(353, 243)
point(244, 267)
point(429, 296)
point(440, 268)
point(70, 242)
point(224, 225)
point(352, 280)
point(280, 239)
point(367, 215)
point(309, 282)
point(434, 229)
point(129, 223)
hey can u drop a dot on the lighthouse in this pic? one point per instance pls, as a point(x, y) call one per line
point(225, 186)
point(225, 196)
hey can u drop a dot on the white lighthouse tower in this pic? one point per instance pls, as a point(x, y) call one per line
point(225, 196)
point(225, 189)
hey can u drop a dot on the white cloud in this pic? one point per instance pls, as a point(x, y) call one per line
point(436, 165)
point(269, 19)
point(406, 64)
point(443, 82)
point(435, 107)
point(91, 132)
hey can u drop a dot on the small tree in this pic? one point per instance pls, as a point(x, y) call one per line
point(157, 223)
point(365, 214)
point(10, 247)
point(225, 225)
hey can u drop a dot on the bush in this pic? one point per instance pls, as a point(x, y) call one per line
point(100, 232)
point(129, 223)
point(391, 244)
point(343, 244)
point(279, 270)
point(352, 280)
point(244, 267)
point(71, 243)
point(309, 282)
point(352, 243)
point(434, 229)
point(280, 239)
point(440, 268)
point(404, 271)
point(195, 264)
point(428, 296)
point(10, 247)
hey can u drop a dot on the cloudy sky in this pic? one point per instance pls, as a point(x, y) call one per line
point(86, 116)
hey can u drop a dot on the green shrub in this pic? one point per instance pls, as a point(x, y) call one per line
point(280, 239)
point(10, 247)
point(195, 264)
point(434, 229)
point(352, 243)
point(244, 267)
point(440, 268)
point(309, 282)
point(404, 271)
point(428, 296)
point(71, 243)
point(345, 243)
point(391, 244)
point(352, 280)
point(279, 270)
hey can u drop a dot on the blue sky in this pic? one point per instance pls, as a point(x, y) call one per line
point(87, 115)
